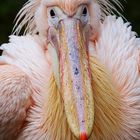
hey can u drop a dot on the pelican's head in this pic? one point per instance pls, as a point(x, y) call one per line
point(69, 26)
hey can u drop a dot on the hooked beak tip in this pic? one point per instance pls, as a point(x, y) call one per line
point(83, 136)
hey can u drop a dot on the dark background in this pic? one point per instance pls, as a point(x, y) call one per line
point(9, 9)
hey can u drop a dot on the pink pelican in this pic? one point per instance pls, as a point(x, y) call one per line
point(73, 75)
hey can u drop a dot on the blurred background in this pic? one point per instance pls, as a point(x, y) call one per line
point(9, 9)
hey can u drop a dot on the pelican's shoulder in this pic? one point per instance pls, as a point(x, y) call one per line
point(23, 43)
point(27, 53)
point(117, 43)
point(114, 31)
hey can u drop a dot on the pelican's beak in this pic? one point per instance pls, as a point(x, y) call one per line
point(75, 78)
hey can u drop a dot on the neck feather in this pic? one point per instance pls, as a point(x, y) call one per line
point(107, 103)
point(54, 123)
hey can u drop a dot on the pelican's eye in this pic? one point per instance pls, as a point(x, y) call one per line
point(84, 12)
point(53, 17)
point(52, 13)
point(84, 15)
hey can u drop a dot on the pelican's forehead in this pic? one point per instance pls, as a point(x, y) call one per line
point(68, 6)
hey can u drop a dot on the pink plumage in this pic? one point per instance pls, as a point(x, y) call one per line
point(37, 97)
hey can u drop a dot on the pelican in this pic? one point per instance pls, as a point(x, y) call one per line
point(73, 75)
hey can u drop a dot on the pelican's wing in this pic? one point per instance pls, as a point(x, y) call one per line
point(15, 100)
point(118, 49)
point(28, 54)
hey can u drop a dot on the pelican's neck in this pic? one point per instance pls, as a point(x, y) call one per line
point(107, 108)
point(52, 123)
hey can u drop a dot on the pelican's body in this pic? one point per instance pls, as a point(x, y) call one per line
point(32, 104)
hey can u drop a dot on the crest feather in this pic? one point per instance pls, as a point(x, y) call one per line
point(26, 16)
